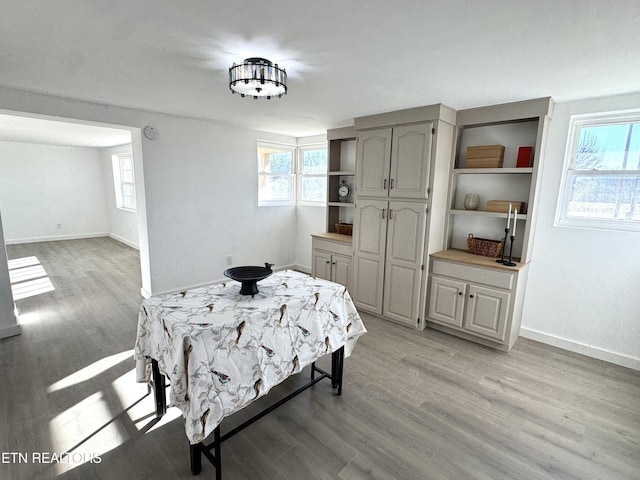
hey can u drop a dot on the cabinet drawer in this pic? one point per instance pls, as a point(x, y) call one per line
point(485, 276)
point(333, 247)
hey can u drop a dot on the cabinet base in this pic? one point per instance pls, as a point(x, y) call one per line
point(504, 347)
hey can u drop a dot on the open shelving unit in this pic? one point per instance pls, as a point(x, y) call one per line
point(341, 167)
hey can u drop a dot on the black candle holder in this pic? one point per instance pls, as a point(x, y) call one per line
point(504, 246)
point(510, 263)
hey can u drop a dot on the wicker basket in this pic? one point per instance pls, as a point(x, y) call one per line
point(344, 228)
point(484, 246)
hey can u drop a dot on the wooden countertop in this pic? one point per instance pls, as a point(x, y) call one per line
point(464, 256)
point(336, 237)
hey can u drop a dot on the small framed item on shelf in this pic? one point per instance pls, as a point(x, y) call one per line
point(525, 157)
point(485, 156)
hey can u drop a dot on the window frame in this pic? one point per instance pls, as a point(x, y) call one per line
point(296, 175)
point(301, 176)
point(576, 123)
point(119, 184)
point(263, 144)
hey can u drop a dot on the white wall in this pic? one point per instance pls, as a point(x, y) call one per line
point(584, 285)
point(122, 224)
point(200, 191)
point(51, 192)
point(8, 320)
point(309, 219)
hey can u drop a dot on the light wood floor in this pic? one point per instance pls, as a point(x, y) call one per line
point(416, 405)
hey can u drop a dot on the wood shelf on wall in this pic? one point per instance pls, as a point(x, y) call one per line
point(521, 216)
point(480, 171)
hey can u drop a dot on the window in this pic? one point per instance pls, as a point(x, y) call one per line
point(276, 174)
point(313, 174)
point(123, 181)
point(601, 183)
point(288, 175)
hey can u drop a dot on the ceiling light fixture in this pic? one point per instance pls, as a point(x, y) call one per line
point(258, 78)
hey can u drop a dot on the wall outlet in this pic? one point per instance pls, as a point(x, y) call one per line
point(58, 226)
point(229, 260)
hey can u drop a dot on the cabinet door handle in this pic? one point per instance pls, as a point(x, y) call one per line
point(383, 213)
point(328, 262)
point(460, 293)
point(333, 263)
point(390, 214)
point(385, 184)
point(470, 296)
point(391, 184)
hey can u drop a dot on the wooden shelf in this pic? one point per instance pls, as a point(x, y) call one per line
point(336, 237)
point(463, 256)
point(483, 213)
point(340, 204)
point(342, 173)
point(481, 171)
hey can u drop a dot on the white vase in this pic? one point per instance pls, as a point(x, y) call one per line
point(471, 201)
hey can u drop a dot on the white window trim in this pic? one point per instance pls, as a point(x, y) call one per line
point(283, 146)
point(119, 184)
point(296, 174)
point(301, 149)
point(575, 125)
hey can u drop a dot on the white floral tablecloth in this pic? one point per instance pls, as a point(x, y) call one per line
point(222, 350)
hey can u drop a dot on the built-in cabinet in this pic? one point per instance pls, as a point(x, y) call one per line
point(389, 242)
point(478, 301)
point(408, 174)
point(401, 157)
point(332, 257)
point(395, 161)
point(471, 295)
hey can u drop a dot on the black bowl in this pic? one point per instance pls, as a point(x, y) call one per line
point(249, 277)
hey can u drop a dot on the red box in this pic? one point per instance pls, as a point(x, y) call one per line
point(525, 157)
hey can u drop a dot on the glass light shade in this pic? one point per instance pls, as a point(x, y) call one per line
point(258, 78)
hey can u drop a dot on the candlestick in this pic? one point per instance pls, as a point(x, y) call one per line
point(504, 245)
point(510, 262)
point(515, 219)
point(508, 217)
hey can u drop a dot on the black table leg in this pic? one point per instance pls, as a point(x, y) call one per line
point(337, 366)
point(159, 389)
point(196, 458)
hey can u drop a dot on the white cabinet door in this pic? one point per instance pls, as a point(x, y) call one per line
point(373, 157)
point(370, 229)
point(486, 311)
point(446, 301)
point(341, 269)
point(404, 250)
point(321, 264)
point(410, 159)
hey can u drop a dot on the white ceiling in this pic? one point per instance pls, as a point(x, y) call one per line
point(344, 58)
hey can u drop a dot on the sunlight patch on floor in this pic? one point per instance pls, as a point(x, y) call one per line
point(28, 278)
point(90, 371)
point(84, 431)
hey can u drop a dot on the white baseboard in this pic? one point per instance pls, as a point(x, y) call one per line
point(301, 268)
point(124, 240)
point(55, 238)
point(588, 350)
point(10, 331)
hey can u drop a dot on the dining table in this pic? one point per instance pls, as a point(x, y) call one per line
point(221, 350)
